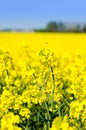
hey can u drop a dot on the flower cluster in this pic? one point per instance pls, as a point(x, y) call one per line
point(42, 91)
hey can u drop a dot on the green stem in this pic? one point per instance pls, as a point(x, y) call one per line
point(48, 117)
point(53, 87)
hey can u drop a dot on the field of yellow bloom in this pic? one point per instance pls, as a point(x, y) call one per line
point(42, 81)
point(60, 42)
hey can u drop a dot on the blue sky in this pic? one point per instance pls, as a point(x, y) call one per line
point(37, 13)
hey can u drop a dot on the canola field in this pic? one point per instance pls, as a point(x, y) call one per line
point(42, 81)
point(59, 42)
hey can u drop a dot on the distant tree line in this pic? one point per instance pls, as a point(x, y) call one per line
point(61, 27)
point(5, 30)
point(53, 26)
